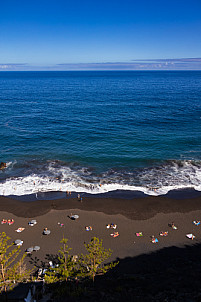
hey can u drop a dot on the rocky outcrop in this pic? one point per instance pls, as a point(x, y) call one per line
point(2, 165)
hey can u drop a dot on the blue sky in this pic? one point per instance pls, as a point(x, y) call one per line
point(79, 34)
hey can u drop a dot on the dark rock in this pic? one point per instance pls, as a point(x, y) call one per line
point(2, 165)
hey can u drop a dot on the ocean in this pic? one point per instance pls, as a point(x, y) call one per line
point(100, 131)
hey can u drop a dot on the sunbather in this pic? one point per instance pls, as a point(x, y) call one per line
point(3, 221)
point(88, 228)
point(196, 222)
point(46, 231)
point(173, 226)
point(164, 233)
point(10, 221)
point(113, 226)
point(154, 239)
point(115, 234)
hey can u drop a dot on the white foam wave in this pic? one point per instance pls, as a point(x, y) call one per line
point(151, 181)
point(10, 164)
point(33, 184)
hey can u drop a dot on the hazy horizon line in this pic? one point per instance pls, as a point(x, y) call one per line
point(135, 64)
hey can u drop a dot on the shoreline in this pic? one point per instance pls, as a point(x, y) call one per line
point(138, 208)
point(116, 194)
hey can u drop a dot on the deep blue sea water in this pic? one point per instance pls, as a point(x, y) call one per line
point(125, 130)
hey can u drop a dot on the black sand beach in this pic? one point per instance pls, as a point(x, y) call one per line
point(150, 272)
point(149, 215)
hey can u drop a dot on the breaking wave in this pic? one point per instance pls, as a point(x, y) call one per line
point(50, 176)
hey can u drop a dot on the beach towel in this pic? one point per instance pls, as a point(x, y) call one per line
point(139, 234)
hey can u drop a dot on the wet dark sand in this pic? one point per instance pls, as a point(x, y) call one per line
point(136, 208)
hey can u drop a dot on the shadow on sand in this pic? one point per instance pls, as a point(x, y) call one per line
point(171, 274)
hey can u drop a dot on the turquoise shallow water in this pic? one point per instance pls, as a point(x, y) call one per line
point(77, 130)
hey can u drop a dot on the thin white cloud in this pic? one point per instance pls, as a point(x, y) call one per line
point(4, 66)
point(12, 66)
point(155, 64)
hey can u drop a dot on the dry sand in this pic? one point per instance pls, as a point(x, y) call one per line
point(149, 215)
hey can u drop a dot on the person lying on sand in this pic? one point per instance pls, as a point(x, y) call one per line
point(46, 231)
point(173, 226)
point(88, 228)
point(163, 233)
point(10, 221)
point(111, 225)
point(115, 234)
point(154, 239)
point(196, 222)
point(3, 221)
